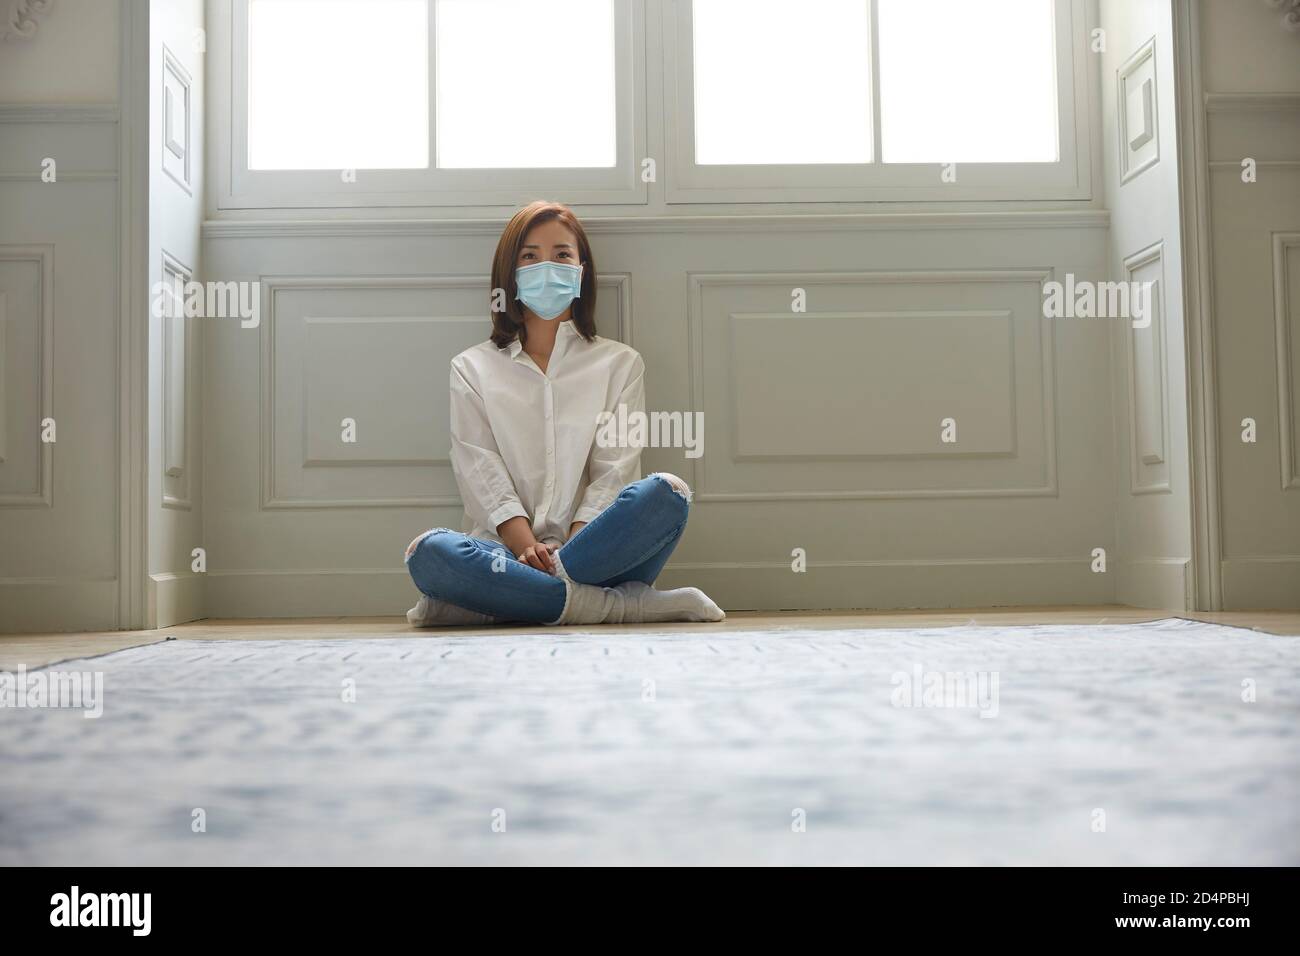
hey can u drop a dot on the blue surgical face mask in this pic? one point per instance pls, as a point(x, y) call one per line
point(547, 288)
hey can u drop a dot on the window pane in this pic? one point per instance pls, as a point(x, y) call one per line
point(964, 82)
point(338, 84)
point(782, 82)
point(525, 83)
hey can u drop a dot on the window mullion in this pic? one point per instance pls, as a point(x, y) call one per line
point(433, 90)
point(876, 152)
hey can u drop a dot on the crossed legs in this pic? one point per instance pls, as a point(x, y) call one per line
point(630, 541)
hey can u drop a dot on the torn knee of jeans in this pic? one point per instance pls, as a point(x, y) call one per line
point(410, 548)
point(682, 489)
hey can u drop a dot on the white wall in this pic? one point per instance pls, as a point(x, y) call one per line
point(1148, 364)
point(175, 498)
point(1250, 68)
point(299, 523)
point(822, 429)
point(60, 544)
point(72, 59)
point(1246, 49)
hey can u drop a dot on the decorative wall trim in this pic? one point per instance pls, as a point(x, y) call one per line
point(177, 383)
point(1252, 102)
point(1288, 439)
point(1144, 257)
point(932, 583)
point(271, 285)
point(1290, 10)
point(43, 256)
point(57, 113)
point(1198, 297)
point(1132, 141)
point(177, 112)
point(697, 282)
point(22, 18)
point(216, 229)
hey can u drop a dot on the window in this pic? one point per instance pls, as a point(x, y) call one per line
point(981, 90)
point(373, 114)
point(563, 111)
point(429, 102)
point(492, 102)
point(878, 100)
point(761, 72)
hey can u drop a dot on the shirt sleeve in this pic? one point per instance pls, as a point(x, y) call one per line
point(610, 469)
point(485, 484)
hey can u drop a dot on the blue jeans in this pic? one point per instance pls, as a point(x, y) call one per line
point(630, 540)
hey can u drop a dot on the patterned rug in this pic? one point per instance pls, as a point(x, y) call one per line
point(1168, 743)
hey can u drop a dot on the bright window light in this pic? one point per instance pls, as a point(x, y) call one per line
point(782, 83)
point(338, 84)
point(964, 82)
point(525, 84)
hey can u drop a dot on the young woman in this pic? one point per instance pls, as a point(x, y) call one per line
point(561, 531)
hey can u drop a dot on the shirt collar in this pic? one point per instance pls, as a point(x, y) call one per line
point(565, 329)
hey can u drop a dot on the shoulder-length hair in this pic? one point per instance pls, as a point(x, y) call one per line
point(509, 324)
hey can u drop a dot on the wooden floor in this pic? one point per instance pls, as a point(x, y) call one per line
point(37, 650)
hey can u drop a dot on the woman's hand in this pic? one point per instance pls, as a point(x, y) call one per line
point(517, 534)
point(540, 556)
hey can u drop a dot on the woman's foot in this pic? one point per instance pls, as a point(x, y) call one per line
point(644, 603)
point(430, 612)
point(634, 602)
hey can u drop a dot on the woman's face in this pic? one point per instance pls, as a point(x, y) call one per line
point(551, 241)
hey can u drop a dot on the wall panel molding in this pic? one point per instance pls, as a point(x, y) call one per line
point(42, 494)
point(177, 119)
point(1137, 112)
point(345, 228)
point(706, 486)
point(179, 341)
point(21, 19)
point(1146, 455)
point(614, 287)
point(1286, 303)
point(933, 583)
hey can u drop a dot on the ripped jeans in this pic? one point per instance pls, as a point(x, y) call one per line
point(630, 540)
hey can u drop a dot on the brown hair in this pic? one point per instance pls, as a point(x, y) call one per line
point(509, 325)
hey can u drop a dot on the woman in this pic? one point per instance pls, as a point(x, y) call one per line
point(561, 529)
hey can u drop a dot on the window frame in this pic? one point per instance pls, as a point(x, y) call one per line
point(237, 187)
point(237, 190)
point(1070, 178)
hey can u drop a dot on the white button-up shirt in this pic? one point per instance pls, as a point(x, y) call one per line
point(523, 441)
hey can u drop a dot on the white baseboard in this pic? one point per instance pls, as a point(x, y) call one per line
point(1162, 583)
point(1261, 583)
point(888, 585)
point(45, 605)
point(318, 593)
point(175, 598)
point(757, 586)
